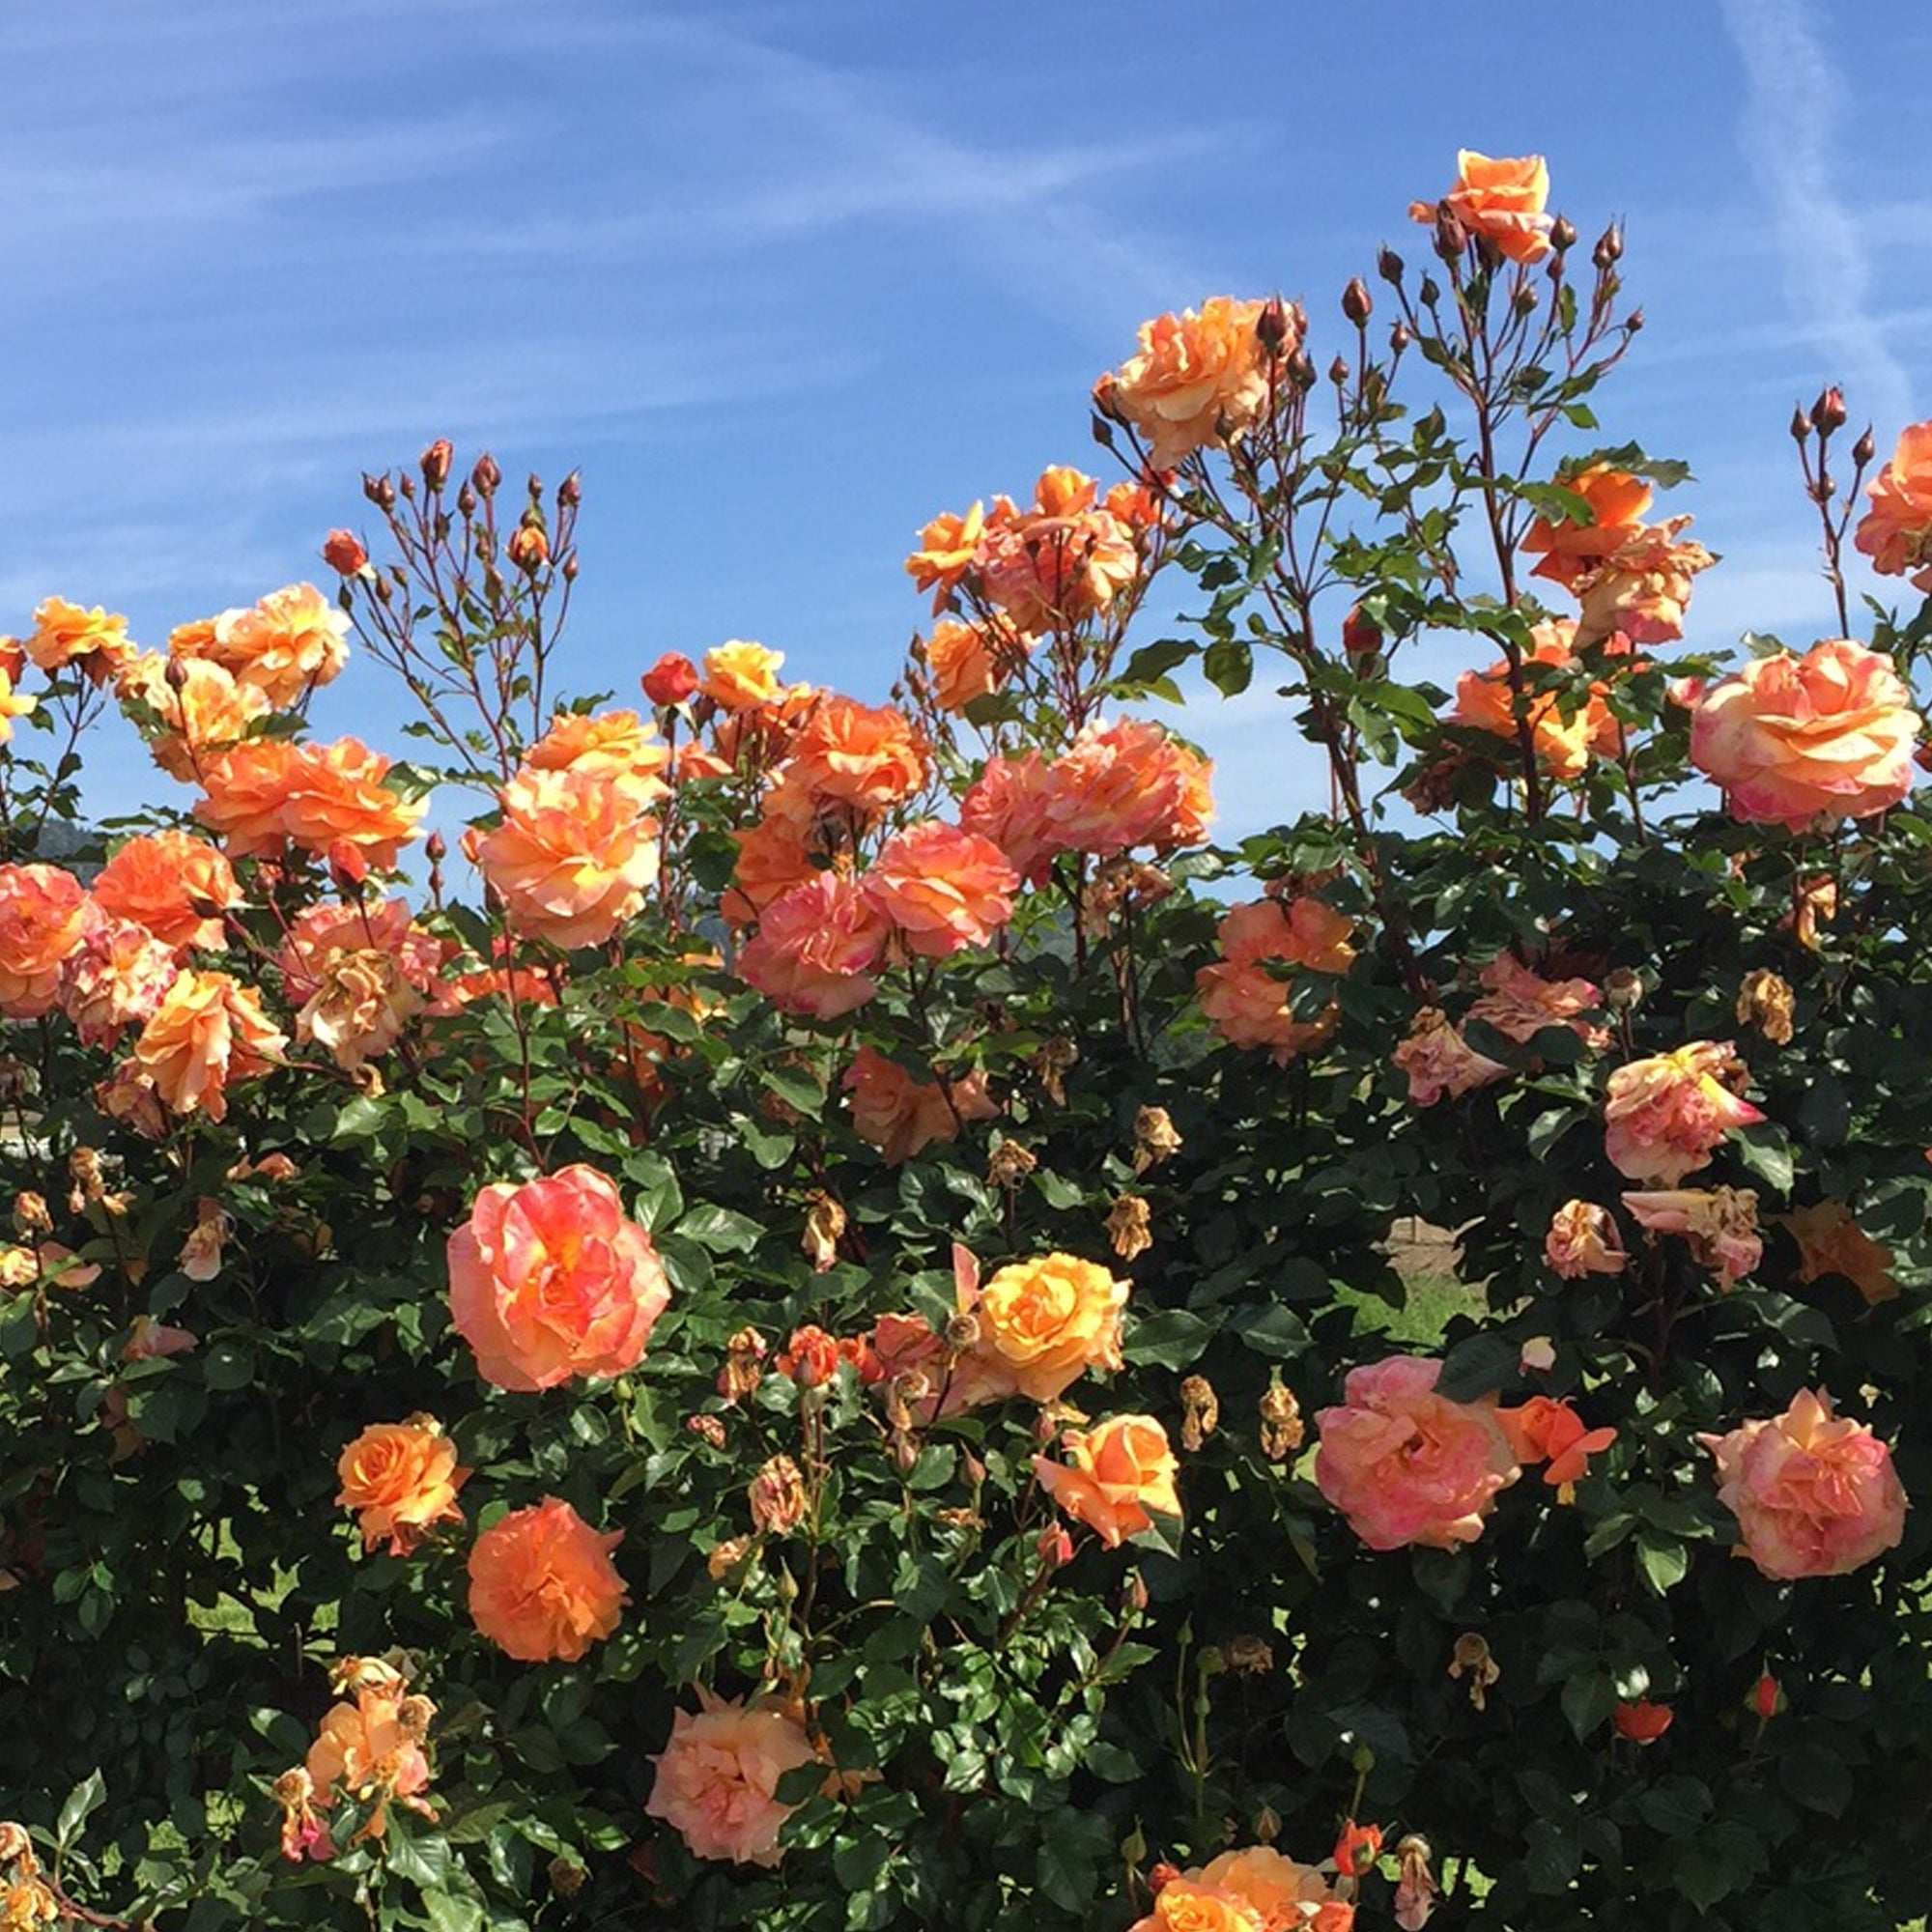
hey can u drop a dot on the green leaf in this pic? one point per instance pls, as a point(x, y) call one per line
point(722, 1230)
point(1816, 1778)
point(1229, 666)
point(82, 1801)
point(1589, 1699)
point(1661, 1561)
point(1766, 1150)
point(1173, 1339)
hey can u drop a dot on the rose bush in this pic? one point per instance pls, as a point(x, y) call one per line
point(817, 1342)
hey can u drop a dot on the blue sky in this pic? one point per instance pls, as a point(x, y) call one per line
point(784, 280)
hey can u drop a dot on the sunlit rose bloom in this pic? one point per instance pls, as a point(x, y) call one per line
point(1201, 378)
point(816, 948)
point(1052, 573)
point(291, 641)
point(551, 1280)
point(1717, 1223)
point(1552, 1432)
point(1501, 200)
point(338, 798)
point(208, 1032)
point(696, 762)
point(1793, 739)
point(1584, 1240)
point(174, 884)
point(322, 933)
point(900, 1115)
point(401, 1478)
point(115, 980)
point(1640, 591)
point(1044, 1323)
point(1519, 1003)
point(1814, 1494)
point(1896, 531)
point(1012, 802)
point(759, 736)
point(1190, 1905)
point(966, 661)
point(573, 855)
point(1485, 702)
point(1118, 786)
point(739, 675)
point(1193, 809)
point(613, 743)
point(1407, 1465)
point(1665, 1116)
point(541, 1584)
point(1248, 1006)
point(367, 1750)
point(1283, 1895)
point(43, 919)
point(948, 546)
point(857, 760)
point(1439, 1063)
point(1831, 1242)
point(774, 856)
point(67, 634)
point(716, 1779)
point(207, 715)
point(245, 790)
point(1617, 503)
point(942, 888)
point(1117, 1478)
point(358, 1009)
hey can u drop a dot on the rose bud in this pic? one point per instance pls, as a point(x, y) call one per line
point(435, 462)
point(670, 680)
point(343, 552)
point(1361, 637)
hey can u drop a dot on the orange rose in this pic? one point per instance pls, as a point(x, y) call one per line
point(372, 1750)
point(816, 946)
point(1564, 740)
point(1248, 1006)
point(1052, 572)
point(245, 790)
point(901, 1116)
point(207, 715)
point(174, 884)
point(1793, 740)
point(1199, 377)
point(338, 798)
point(1044, 1324)
point(290, 642)
point(43, 916)
point(360, 1004)
point(1012, 802)
point(948, 546)
point(541, 1584)
point(64, 634)
point(1188, 1905)
point(966, 661)
point(1639, 591)
point(1896, 531)
point(551, 1280)
point(612, 744)
point(1501, 201)
point(853, 758)
point(774, 856)
point(942, 888)
point(1125, 784)
point(739, 677)
point(1616, 503)
point(321, 934)
point(208, 1031)
point(574, 855)
point(1119, 1476)
point(1665, 1116)
point(716, 1780)
point(401, 1478)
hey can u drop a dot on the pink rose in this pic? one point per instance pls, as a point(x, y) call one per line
point(1519, 1003)
point(550, 1280)
point(942, 888)
point(816, 946)
point(718, 1778)
point(1407, 1465)
point(1814, 1494)
point(1439, 1063)
point(1665, 1116)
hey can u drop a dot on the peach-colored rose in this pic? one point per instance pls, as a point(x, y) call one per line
point(401, 1478)
point(1117, 787)
point(1439, 1063)
point(550, 1280)
point(174, 884)
point(1044, 1323)
point(1118, 1477)
point(541, 1584)
point(573, 855)
point(115, 980)
point(1248, 1006)
point(1012, 802)
point(1830, 1241)
point(1201, 378)
point(67, 634)
point(1814, 1494)
point(1717, 1223)
point(900, 1115)
point(1896, 531)
point(1186, 1904)
point(614, 744)
point(1792, 740)
point(1407, 1465)
point(360, 1004)
point(1640, 591)
point(1501, 200)
point(774, 856)
point(1617, 501)
point(717, 1778)
point(245, 790)
point(741, 675)
point(338, 799)
point(967, 661)
point(1284, 1896)
point(816, 946)
point(43, 919)
point(853, 759)
point(1665, 1116)
point(1584, 1240)
point(321, 934)
point(208, 714)
point(372, 1750)
point(948, 546)
point(1050, 573)
point(942, 888)
point(1552, 1432)
point(209, 1030)
point(290, 642)
point(1519, 1003)
point(1485, 702)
